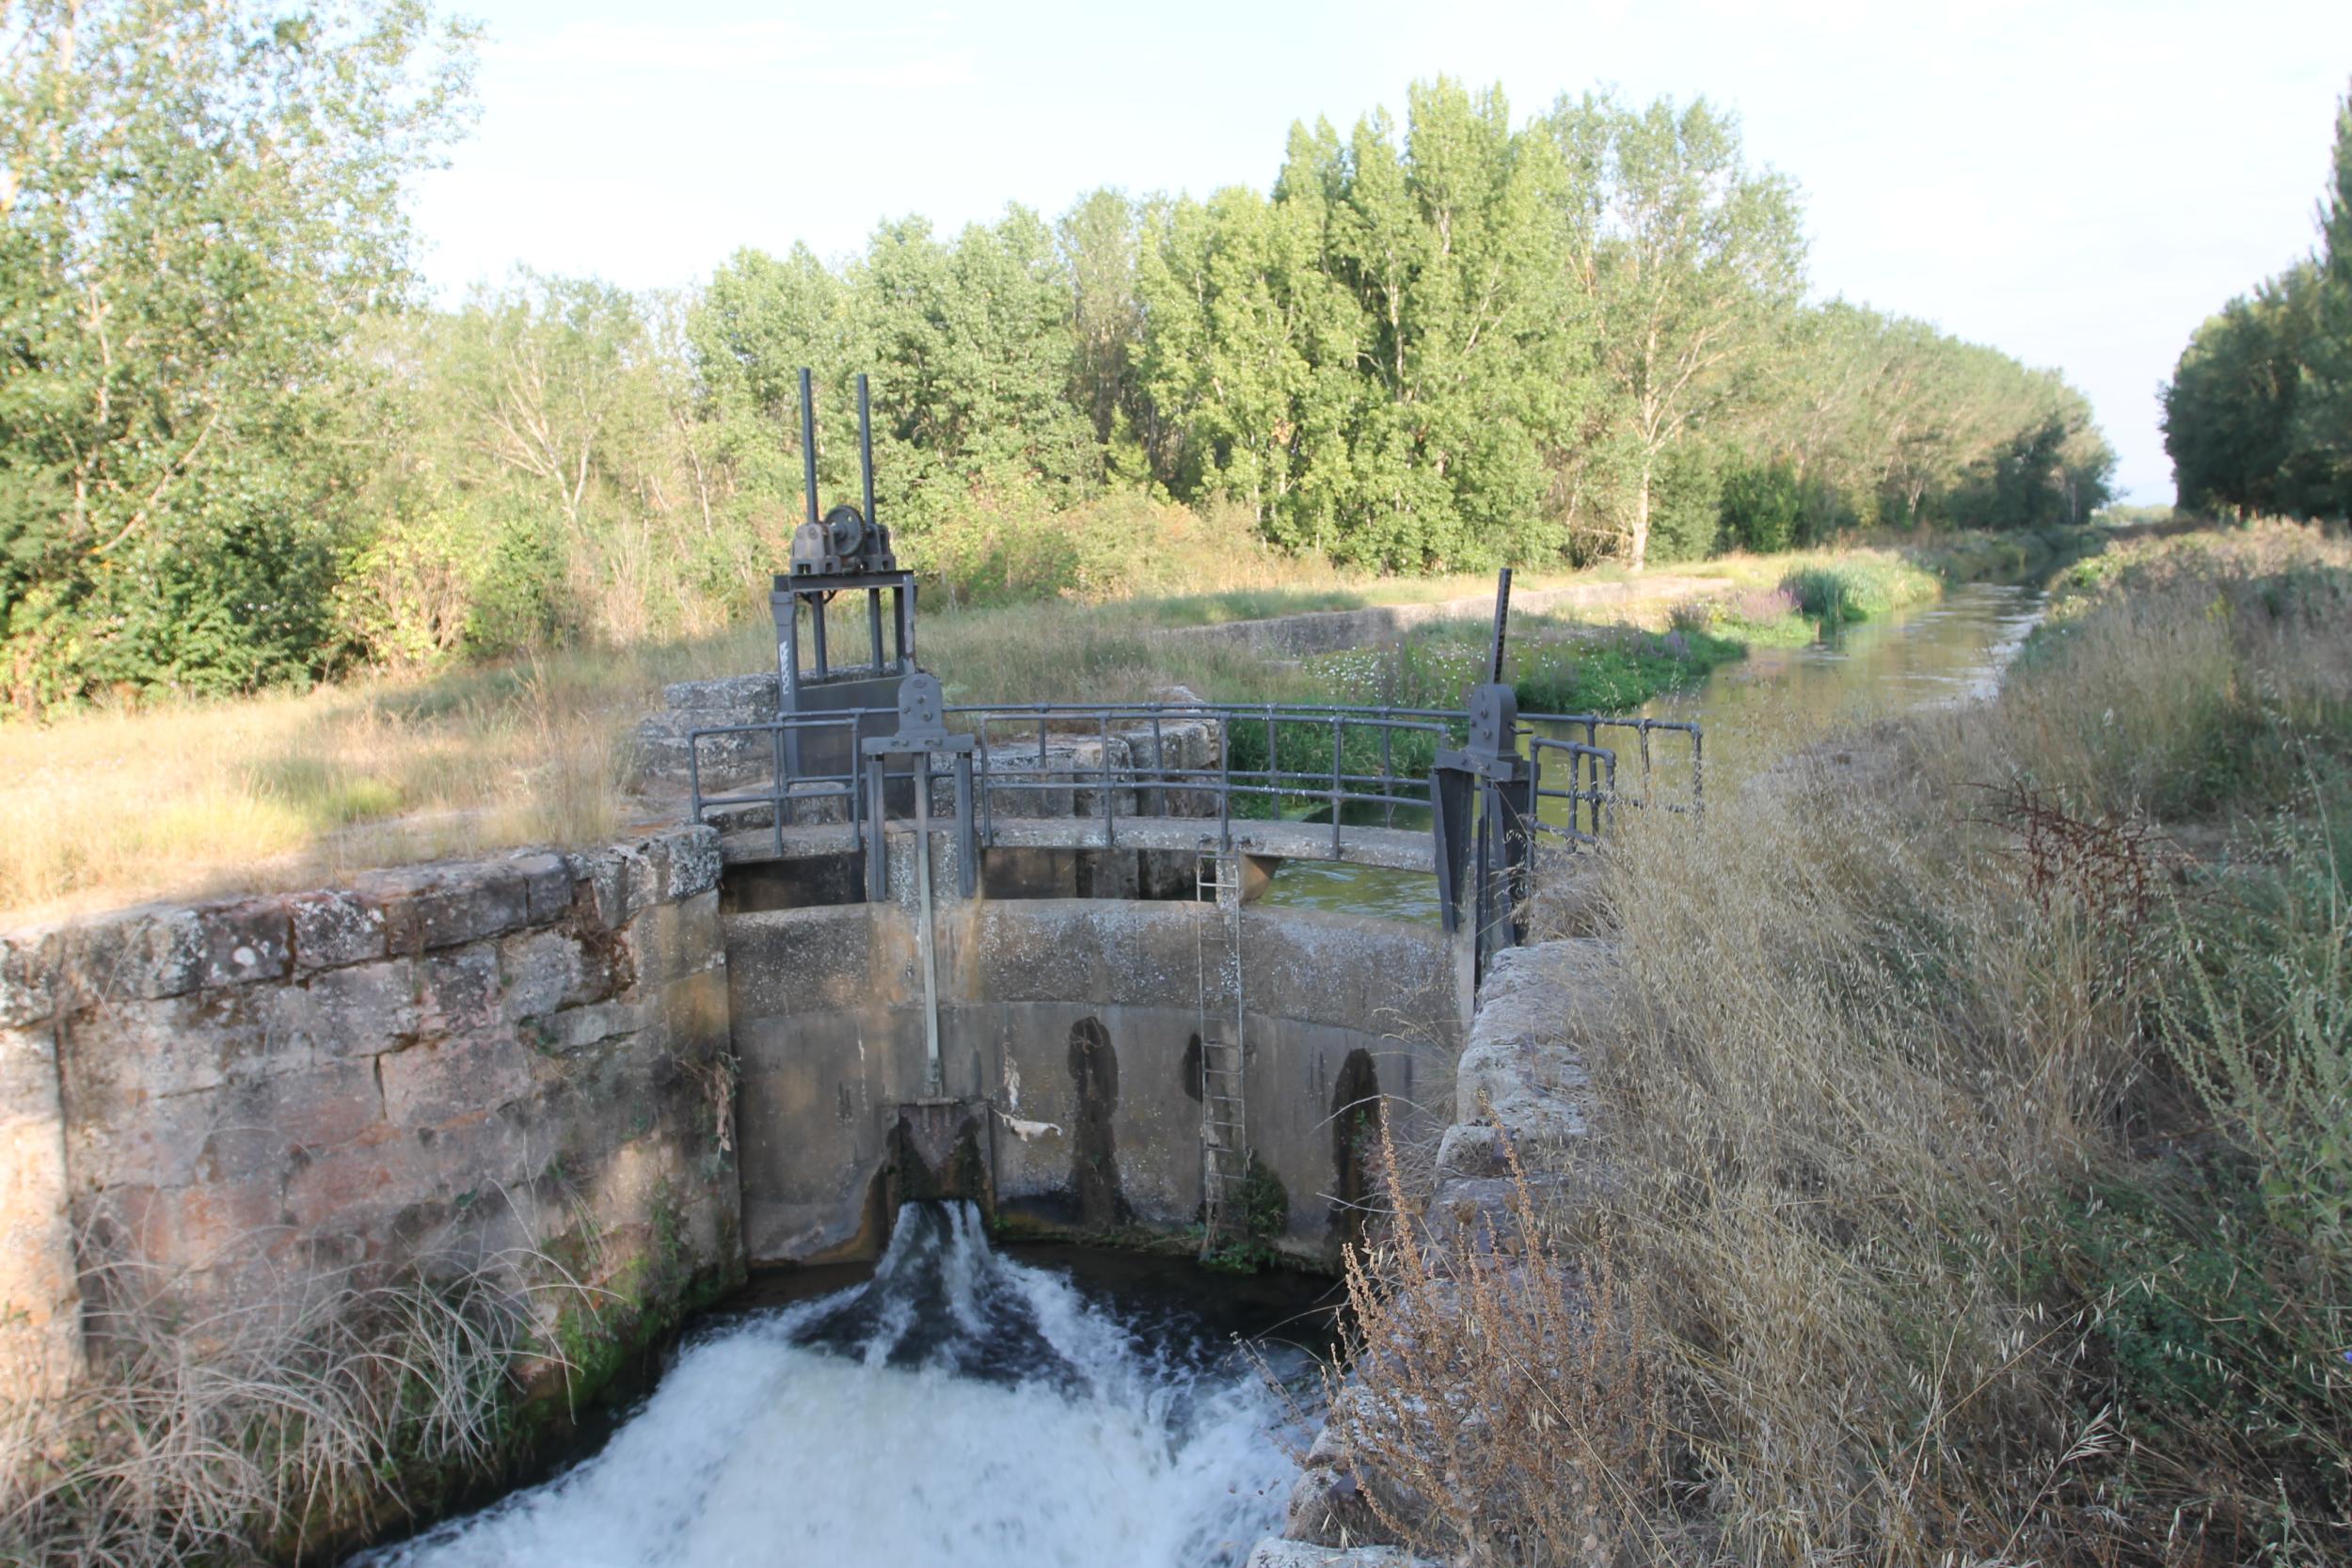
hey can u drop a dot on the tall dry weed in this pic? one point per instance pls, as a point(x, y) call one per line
point(274, 1425)
point(1501, 1404)
point(1927, 1225)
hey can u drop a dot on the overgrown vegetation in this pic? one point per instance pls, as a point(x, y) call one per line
point(240, 455)
point(1974, 1129)
point(299, 1421)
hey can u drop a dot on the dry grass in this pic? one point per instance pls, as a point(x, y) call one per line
point(1978, 1183)
point(281, 791)
point(284, 790)
point(1504, 1405)
point(278, 791)
point(278, 1423)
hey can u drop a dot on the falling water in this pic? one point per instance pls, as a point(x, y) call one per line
point(959, 1408)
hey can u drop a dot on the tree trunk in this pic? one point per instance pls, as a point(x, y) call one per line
point(1641, 520)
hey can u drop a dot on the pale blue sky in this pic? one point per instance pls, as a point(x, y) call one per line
point(2079, 184)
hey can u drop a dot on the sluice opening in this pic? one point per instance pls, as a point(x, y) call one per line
point(1033, 1405)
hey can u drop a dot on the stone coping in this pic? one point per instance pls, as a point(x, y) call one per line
point(151, 952)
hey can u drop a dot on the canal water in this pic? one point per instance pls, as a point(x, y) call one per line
point(958, 1407)
point(1950, 650)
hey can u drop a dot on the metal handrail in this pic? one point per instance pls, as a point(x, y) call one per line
point(1592, 788)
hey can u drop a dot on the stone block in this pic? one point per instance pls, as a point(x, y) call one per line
point(671, 940)
point(1329, 1509)
point(693, 864)
point(793, 962)
point(332, 927)
point(573, 1029)
point(604, 874)
point(146, 953)
point(358, 1010)
point(547, 884)
point(205, 1226)
point(449, 906)
point(541, 972)
point(349, 1189)
point(460, 991)
point(477, 1157)
point(128, 1053)
point(333, 1103)
point(26, 960)
point(1471, 1150)
point(427, 1084)
point(151, 1141)
point(728, 699)
point(246, 941)
point(40, 1342)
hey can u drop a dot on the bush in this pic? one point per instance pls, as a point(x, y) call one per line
point(1762, 507)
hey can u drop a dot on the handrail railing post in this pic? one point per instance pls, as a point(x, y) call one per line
point(1225, 786)
point(1339, 752)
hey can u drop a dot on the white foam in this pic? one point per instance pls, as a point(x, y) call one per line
point(757, 1450)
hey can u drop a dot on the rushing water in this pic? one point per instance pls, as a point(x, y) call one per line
point(1949, 650)
point(960, 1407)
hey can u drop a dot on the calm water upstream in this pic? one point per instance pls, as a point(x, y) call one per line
point(1952, 650)
point(957, 1407)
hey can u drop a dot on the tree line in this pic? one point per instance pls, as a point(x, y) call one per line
point(240, 450)
point(2258, 414)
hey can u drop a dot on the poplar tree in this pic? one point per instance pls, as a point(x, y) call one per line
point(1697, 262)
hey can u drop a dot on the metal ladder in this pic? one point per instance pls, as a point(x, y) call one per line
point(1224, 1056)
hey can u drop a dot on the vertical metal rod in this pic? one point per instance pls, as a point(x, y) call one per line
point(816, 635)
point(788, 673)
point(1592, 738)
point(903, 597)
point(1159, 768)
point(784, 785)
point(865, 449)
point(808, 444)
point(1339, 749)
point(967, 842)
point(1273, 769)
point(1225, 784)
point(1388, 775)
point(877, 841)
point(932, 1078)
point(1502, 620)
point(873, 619)
point(1699, 772)
point(987, 811)
point(1106, 758)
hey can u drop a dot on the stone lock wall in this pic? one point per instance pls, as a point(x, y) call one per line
point(1071, 1026)
point(444, 1062)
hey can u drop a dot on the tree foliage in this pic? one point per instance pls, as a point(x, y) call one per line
point(201, 202)
point(239, 453)
point(2258, 415)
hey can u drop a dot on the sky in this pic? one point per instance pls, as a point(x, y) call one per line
point(2076, 184)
